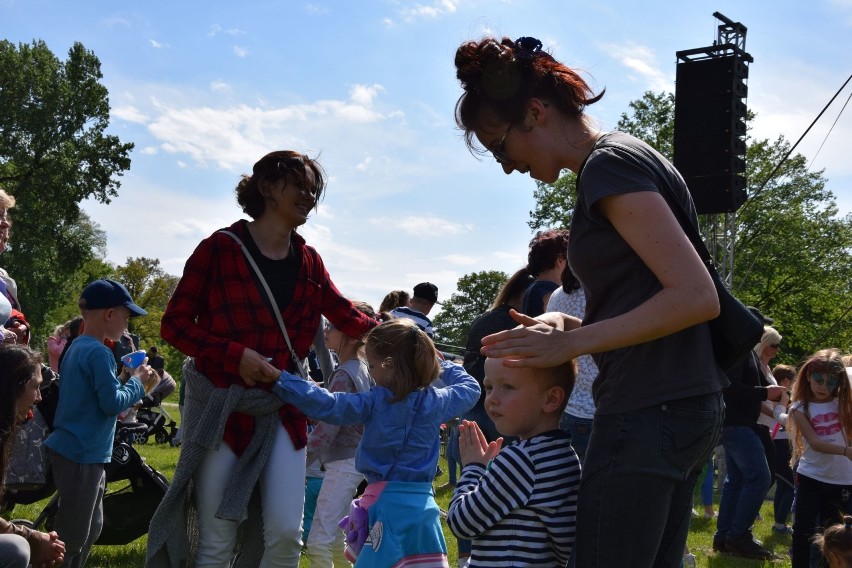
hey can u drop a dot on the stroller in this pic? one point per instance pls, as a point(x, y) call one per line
point(127, 511)
point(159, 424)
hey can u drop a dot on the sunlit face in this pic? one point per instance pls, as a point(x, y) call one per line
point(514, 399)
point(31, 395)
point(294, 202)
point(381, 369)
point(333, 337)
point(117, 320)
point(514, 147)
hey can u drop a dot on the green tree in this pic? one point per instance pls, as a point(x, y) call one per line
point(473, 296)
point(54, 153)
point(151, 288)
point(792, 249)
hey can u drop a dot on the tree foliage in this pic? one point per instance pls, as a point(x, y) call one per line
point(792, 248)
point(54, 153)
point(473, 296)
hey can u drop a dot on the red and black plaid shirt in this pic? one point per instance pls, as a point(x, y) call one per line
point(217, 311)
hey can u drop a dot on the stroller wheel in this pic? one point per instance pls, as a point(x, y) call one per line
point(161, 437)
point(141, 438)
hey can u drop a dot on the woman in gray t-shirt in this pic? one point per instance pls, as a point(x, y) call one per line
point(658, 394)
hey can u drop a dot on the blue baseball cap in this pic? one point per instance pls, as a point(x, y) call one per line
point(106, 293)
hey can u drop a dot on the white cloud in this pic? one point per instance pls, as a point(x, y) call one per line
point(316, 9)
point(240, 51)
point(220, 86)
point(148, 151)
point(129, 113)
point(431, 11)
point(157, 45)
point(235, 135)
point(423, 226)
point(459, 259)
point(642, 60)
point(216, 29)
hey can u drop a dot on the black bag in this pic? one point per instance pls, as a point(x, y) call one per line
point(736, 330)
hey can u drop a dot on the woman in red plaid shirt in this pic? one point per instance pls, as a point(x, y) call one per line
point(220, 315)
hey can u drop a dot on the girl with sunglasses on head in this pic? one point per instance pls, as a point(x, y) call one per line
point(649, 296)
point(821, 430)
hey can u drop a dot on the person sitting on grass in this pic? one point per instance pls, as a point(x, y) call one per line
point(520, 509)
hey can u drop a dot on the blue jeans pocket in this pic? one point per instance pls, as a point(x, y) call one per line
point(687, 436)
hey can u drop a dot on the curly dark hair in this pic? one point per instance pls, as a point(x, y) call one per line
point(287, 164)
point(499, 77)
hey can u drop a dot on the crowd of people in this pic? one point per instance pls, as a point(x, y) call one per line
point(591, 383)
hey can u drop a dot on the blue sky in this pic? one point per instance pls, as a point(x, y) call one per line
point(204, 89)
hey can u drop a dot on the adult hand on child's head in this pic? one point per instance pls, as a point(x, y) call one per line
point(473, 447)
point(532, 344)
point(255, 368)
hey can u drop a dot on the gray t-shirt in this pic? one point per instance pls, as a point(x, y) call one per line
point(615, 280)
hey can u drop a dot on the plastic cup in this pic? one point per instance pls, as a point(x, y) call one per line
point(133, 360)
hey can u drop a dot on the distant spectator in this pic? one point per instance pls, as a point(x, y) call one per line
point(395, 299)
point(425, 297)
point(56, 344)
point(156, 361)
point(546, 260)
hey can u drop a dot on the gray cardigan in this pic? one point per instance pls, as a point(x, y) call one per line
point(206, 409)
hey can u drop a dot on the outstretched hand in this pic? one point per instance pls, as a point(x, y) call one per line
point(255, 368)
point(473, 447)
point(536, 342)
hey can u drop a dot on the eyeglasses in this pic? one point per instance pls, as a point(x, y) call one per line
point(775, 345)
point(499, 149)
point(825, 378)
point(4, 215)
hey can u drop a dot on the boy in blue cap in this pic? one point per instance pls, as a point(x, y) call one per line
point(90, 399)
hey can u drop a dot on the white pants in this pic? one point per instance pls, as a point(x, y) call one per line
point(325, 543)
point(282, 493)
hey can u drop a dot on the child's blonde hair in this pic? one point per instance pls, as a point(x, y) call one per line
point(408, 352)
point(837, 540)
point(823, 361)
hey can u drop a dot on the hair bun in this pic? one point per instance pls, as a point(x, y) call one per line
point(527, 45)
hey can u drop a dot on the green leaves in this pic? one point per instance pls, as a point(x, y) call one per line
point(54, 153)
point(474, 294)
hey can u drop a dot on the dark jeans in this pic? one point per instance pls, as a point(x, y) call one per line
point(783, 501)
point(640, 471)
point(747, 481)
point(816, 503)
point(580, 430)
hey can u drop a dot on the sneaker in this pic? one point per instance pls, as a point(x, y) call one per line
point(746, 546)
point(688, 560)
point(782, 530)
point(712, 515)
point(718, 542)
point(464, 562)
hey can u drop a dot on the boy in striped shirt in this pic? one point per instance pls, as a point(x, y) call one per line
point(519, 509)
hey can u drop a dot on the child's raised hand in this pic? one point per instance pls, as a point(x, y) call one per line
point(255, 368)
point(473, 447)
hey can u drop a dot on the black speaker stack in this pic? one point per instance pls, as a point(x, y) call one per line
point(709, 127)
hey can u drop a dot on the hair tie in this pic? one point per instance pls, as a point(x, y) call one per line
point(527, 45)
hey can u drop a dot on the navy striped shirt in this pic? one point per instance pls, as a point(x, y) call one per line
point(521, 510)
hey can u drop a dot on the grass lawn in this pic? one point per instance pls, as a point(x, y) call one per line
point(163, 458)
